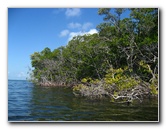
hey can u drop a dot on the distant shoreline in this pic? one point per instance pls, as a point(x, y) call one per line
point(16, 80)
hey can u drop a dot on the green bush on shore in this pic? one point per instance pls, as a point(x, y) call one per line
point(116, 84)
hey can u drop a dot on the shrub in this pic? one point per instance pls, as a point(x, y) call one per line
point(118, 85)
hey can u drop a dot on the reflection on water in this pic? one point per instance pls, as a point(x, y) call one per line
point(33, 103)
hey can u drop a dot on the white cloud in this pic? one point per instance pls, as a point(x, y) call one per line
point(82, 30)
point(74, 25)
point(82, 27)
point(86, 26)
point(73, 12)
point(64, 33)
point(72, 34)
point(92, 31)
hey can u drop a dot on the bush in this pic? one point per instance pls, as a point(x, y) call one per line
point(118, 85)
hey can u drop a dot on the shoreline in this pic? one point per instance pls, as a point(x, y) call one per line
point(139, 93)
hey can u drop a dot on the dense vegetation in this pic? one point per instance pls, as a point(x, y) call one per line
point(120, 61)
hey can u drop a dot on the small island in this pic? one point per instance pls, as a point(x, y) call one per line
point(120, 62)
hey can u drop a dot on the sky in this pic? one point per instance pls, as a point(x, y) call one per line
point(33, 29)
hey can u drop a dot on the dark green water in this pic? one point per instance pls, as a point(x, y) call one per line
point(27, 102)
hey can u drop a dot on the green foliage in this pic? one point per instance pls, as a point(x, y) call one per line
point(118, 78)
point(118, 58)
point(79, 87)
point(154, 85)
point(153, 89)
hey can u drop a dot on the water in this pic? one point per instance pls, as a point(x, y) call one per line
point(27, 102)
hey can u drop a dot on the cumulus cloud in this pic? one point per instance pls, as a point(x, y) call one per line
point(82, 27)
point(73, 12)
point(72, 34)
point(74, 25)
point(92, 31)
point(64, 33)
point(86, 26)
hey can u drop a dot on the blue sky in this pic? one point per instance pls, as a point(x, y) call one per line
point(32, 29)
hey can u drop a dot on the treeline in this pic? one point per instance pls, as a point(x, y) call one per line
point(123, 49)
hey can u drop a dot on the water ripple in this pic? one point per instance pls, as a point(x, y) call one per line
point(27, 102)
